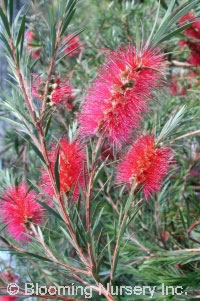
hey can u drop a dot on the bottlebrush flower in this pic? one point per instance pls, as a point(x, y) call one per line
point(60, 92)
point(72, 160)
point(194, 30)
point(146, 164)
point(32, 44)
point(118, 97)
point(19, 209)
point(194, 58)
point(73, 46)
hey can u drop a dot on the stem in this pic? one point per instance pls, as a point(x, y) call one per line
point(22, 83)
point(108, 198)
point(54, 259)
point(121, 231)
point(190, 230)
point(187, 135)
point(88, 199)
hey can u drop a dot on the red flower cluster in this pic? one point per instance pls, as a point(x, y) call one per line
point(60, 92)
point(117, 99)
point(32, 44)
point(19, 209)
point(146, 164)
point(73, 46)
point(72, 159)
point(193, 32)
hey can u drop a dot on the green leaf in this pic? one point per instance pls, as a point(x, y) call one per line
point(170, 19)
point(53, 39)
point(5, 22)
point(173, 33)
point(11, 11)
point(57, 171)
point(36, 150)
point(35, 256)
point(21, 31)
point(5, 240)
point(183, 10)
point(14, 123)
point(70, 10)
point(171, 124)
point(48, 125)
point(6, 4)
point(97, 220)
point(68, 236)
point(50, 210)
point(4, 40)
point(154, 25)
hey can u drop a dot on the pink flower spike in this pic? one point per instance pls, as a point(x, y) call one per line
point(146, 164)
point(62, 93)
point(72, 160)
point(119, 96)
point(19, 209)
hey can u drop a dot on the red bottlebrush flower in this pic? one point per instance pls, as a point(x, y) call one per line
point(18, 209)
point(195, 53)
point(60, 92)
point(194, 30)
point(73, 45)
point(117, 99)
point(72, 159)
point(194, 58)
point(31, 44)
point(146, 164)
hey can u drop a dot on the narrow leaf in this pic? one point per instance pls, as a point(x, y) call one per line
point(5, 22)
point(50, 210)
point(36, 150)
point(11, 11)
point(21, 31)
point(57, 172)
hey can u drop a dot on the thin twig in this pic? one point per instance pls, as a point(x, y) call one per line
point(186, 135)
point(88, 199)
point(54, 259)
point(190, 230)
